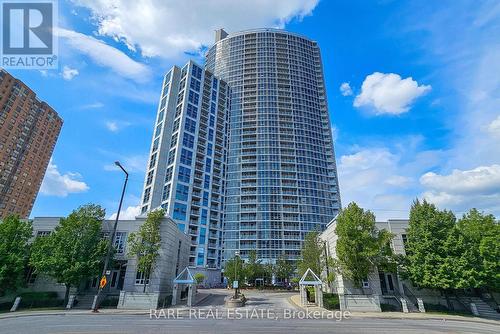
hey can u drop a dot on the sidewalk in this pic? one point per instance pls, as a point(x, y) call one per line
point(105, 311)
point(295, 301)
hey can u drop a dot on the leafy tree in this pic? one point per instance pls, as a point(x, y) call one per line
point(253, 267)
point(199, 278)
point(311, 254)
point(268, 271)
point(473, 268)
point(430, 239)
point(145, 244)
point(284, 268)
point(234, 268)
point(360, 246)
point(489, 250)
point(74, 251)
point(14, 252)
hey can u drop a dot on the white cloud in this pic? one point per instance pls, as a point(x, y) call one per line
point(481, 180)
point(345, 89)
point(115, 126)
point(494, 127)
point(170, 27)
point(128, 214)
point(463, 189)
point(105, 55)
point(388, 93)
point(371, 177)
point(61, 185)
point(112, 126)
point(69, 73)
point(95, 105)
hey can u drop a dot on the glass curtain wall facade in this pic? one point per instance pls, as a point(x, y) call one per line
point(282, 177)
point(186, 169)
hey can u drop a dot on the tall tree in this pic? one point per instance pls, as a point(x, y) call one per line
point(311, 254)
point(14, 252)
point(430, 239)
point(75, 250)
point(145, 244)
point(284, 268)
point(474, 251)
point(234, 269)
point(253, 267)
point(360, 246)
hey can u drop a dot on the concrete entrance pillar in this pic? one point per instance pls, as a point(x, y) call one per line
point(190, 295)
point(174, 294)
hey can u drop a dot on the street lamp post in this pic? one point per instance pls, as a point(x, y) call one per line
point(236, 253)
point(105, 272)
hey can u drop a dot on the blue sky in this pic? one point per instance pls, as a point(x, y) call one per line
point(418, 114)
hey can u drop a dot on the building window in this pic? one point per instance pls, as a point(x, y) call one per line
point(208, 165)
point(42, 233)
point(188, 140)
point(205, 198)
point(168, 174)
point(166, 193)
point(196, 72)
point(186, 157)
point(204, 217)
point(195, 85)
point(203, 233)
point(171, 157)
point(180, 211)
point(120, 242)
point(190, 125)
point(150, 178)
point(192, 111)
point(182, 192)
point(184, 174)
point(193, 97)
point(141, 279)
point(147, 192)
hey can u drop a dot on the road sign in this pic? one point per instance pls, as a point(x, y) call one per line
point(103, 282)
point(108, 272)
point(235, 284)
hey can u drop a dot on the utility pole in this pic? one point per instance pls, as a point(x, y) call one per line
point(105, 272)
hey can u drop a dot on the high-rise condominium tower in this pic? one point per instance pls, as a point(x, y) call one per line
point(282, 178)
point(186, 169)
point(28, 133)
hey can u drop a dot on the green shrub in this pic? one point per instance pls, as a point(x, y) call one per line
point(36, 295)
point(5, 306)
point(389, 308)
point(110, 302)
point(310, 294)
point(331, 301)
point(41, 303)
point(40, 299)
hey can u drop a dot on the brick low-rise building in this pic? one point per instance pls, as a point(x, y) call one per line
point(28, 133)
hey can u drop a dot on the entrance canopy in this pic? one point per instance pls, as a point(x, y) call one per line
point(185, 277)
point(310, 278)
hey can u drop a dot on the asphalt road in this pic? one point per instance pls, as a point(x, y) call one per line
point(144, 325)
point(211, 317)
